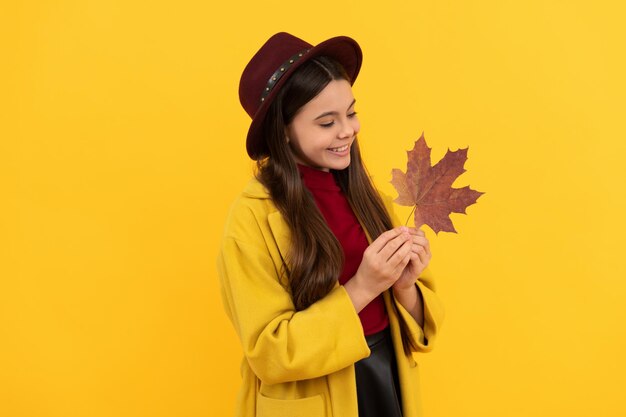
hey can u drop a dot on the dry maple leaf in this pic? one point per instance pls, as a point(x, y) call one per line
point(429, 189)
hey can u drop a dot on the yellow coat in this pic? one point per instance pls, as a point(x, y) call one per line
point(301, 364)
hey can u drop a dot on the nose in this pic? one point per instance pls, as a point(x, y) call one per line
point(347, 130)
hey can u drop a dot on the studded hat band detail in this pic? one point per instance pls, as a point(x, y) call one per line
point(279, 73)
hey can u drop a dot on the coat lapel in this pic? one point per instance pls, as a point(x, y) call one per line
point(281, 233)
point(278, 226)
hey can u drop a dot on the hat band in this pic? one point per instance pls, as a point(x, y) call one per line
point(277, 75)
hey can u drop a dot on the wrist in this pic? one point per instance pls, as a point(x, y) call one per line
point(358, 293)
point(411, 299)
point(404, 292)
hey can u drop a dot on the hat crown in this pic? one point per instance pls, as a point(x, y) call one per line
point(275, 52)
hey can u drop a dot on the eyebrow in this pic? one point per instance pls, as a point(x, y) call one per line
point(328, 113)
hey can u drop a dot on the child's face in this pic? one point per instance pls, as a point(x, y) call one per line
point(322, 132)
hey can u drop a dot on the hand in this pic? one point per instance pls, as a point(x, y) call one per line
point(420, 258)
point(384, 261)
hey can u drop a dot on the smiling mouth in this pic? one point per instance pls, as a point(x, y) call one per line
point(339, 149)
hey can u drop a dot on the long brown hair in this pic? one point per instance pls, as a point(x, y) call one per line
point(316, 259)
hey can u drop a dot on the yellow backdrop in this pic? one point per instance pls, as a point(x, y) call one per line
point(122, 146)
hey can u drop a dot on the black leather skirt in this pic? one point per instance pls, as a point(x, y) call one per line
point(378, 387)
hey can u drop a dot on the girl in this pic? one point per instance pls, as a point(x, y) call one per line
point(328, 299)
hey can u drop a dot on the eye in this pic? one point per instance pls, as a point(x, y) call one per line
point(351, 115)
point(329, 124)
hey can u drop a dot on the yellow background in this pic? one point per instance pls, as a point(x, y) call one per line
point(122, 146)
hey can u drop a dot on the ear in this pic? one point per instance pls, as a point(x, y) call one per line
point(287, 134)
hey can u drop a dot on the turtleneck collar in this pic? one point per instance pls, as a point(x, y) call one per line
point(316, 178)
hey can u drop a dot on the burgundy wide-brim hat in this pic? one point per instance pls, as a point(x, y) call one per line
point(272, 65)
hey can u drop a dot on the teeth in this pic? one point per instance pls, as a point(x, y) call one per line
point(340, 149)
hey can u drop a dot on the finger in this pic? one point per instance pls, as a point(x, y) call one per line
point(418, 262)
point(397, 271)
point(403, 251)
point(419, 240)
point(417, 232)
point(421, 253)
point(394, 245)
point(427, 249)
point(385, 237)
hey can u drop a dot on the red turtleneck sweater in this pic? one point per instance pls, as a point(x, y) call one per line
point(342, 221)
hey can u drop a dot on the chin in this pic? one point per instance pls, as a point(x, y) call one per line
point(340, 166)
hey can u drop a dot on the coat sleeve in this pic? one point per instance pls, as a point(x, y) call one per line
point(422, 338)
point(282, 344)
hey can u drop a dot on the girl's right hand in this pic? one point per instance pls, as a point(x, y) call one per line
point(382, 264)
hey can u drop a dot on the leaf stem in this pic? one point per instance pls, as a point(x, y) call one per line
point(407, 219)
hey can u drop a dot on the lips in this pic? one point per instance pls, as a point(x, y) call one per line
point(339, 149)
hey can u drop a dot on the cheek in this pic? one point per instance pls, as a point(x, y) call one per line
point(356, 125)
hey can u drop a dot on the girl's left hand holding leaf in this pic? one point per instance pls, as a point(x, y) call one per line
point(420, 258)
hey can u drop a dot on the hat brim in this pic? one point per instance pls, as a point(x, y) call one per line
point(343, 49)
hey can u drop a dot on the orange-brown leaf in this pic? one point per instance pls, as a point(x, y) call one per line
point(429, 188)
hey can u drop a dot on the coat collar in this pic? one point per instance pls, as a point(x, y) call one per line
point(277, 224)
point(255, 189)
